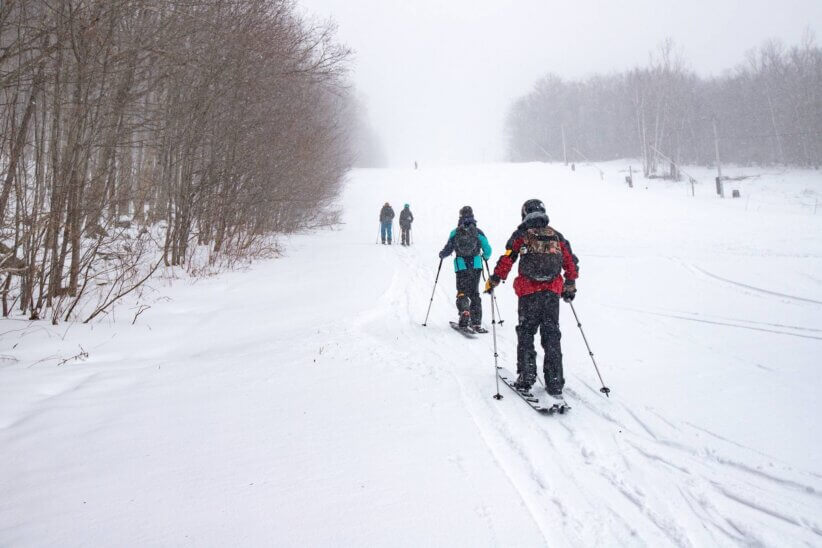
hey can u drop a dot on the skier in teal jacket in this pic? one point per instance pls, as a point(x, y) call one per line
point(470, 246)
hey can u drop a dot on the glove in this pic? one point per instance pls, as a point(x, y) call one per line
point(443, 255)
point(492, 282)
point(569, 291)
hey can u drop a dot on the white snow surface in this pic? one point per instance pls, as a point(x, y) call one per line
point(302, 403)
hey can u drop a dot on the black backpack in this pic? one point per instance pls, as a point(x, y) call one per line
point(466, 240)
point(540, 254)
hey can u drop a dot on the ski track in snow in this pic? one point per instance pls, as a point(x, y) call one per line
point(739, 325)
point(753, 288)
point(613, 471)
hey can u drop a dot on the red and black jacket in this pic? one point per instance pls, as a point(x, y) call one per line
point(523, 285)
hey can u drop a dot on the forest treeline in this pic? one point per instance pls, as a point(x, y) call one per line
point(767, 110)
point(135, 132)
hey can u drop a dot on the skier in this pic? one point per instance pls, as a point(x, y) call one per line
point(386, 223)
point(544, 254)
point(406, 218)
point(468, 242)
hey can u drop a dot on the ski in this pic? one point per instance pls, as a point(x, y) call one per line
point(537, 398)
point(465, 331)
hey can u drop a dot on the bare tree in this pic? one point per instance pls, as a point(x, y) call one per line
point(768, 109)
point(135, 128)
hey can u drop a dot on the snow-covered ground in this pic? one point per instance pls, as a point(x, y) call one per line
point(301, 402)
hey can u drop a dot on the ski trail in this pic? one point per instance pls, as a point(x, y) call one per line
point(582, 459)
point(741, 320)
point(762, 329)
point(705, 273)
point(727, 324)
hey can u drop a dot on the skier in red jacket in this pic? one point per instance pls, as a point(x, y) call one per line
point(544, 255)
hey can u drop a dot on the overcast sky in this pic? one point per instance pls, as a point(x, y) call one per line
point(438, 75)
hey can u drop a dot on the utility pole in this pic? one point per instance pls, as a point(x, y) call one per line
point(719, 187)
point(564, 153)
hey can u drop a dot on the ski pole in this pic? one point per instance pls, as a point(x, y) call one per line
point(494, 300)
point(605, 390)
point(497, 396)
point(436, 279)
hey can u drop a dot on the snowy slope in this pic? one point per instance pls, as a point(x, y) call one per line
point(302, 403)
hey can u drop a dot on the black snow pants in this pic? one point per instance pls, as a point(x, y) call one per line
point(468, 297)
point(540, 311)
point(406, 234)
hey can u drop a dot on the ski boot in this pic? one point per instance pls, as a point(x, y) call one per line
point(479, 329)
point(465, 318)
point(524, 382)
point(527, 372)
point(554, 383)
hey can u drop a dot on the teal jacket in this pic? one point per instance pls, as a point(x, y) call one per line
point(460, 262)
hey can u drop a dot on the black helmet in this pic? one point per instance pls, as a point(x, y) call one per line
point(530, 206)
point(466, 211)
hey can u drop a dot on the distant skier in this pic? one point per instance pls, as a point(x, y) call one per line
point(544, 254)
point(470, 246)
point(386, 223)
point(406, 218)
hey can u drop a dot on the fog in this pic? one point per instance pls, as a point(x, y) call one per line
point(438, 76)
